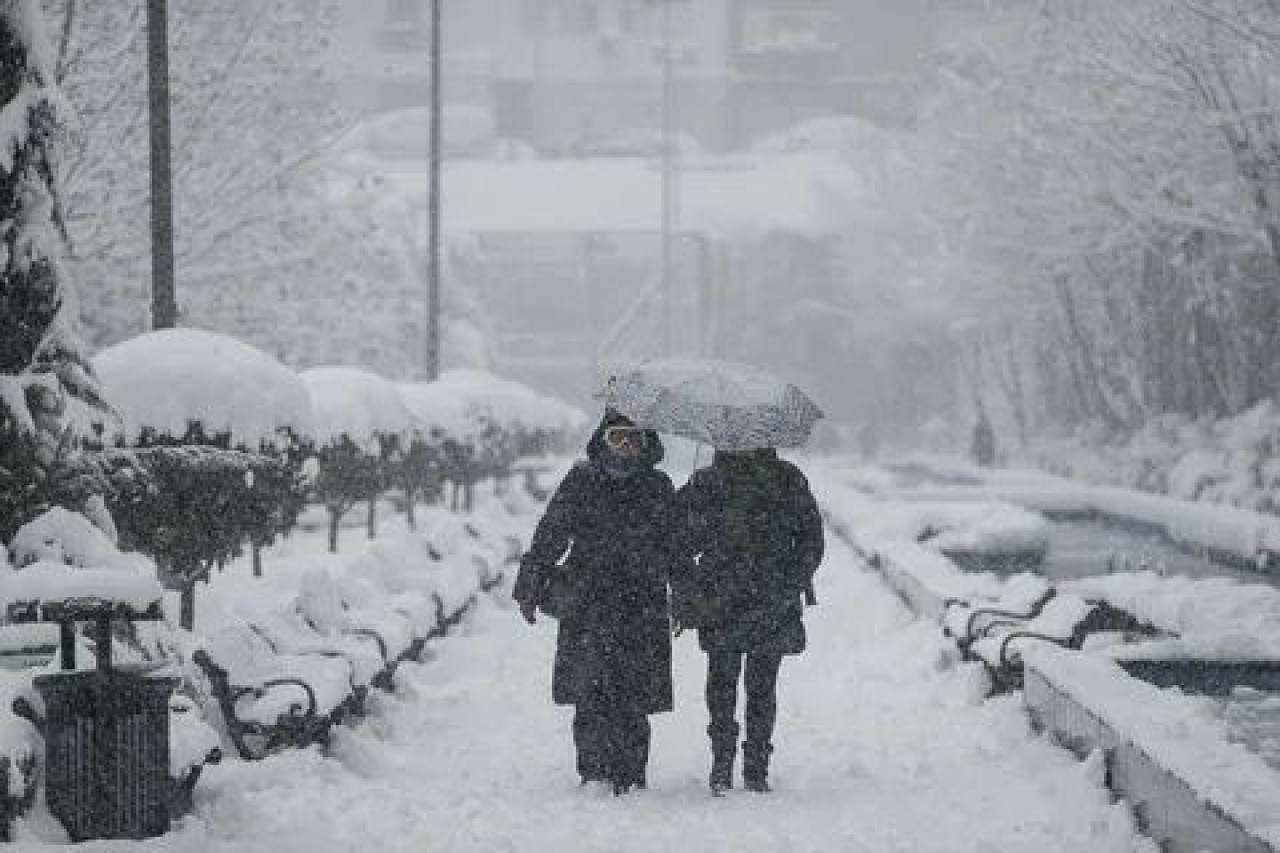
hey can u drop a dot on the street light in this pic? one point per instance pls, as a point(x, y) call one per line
point(670, 174)
point(669, 177)
point(433, 202)
point(164, 303)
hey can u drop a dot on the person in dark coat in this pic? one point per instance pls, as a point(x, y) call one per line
point(754, 538)
point(599, 562)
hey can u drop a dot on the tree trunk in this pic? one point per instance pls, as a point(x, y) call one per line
point(409, 509)
point(187, 613)
point(334, 518)
point(373, 517)
point(257, 561)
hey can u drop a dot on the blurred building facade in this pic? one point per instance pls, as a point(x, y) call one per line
point(586, 76)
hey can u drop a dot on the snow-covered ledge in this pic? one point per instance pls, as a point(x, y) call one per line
point(1191, 787)
point(927, 581)
point(55, 583)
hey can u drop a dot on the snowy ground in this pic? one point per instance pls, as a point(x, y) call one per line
point(883, 745)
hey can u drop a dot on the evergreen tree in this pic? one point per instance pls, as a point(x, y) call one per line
point(44, 374)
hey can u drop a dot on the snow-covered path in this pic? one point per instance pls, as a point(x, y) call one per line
point(881, 746)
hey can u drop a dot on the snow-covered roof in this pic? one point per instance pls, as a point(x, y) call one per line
point(355, 403)
point(796, 194)
point(166, 379)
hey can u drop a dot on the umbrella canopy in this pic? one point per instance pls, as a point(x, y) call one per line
point(728, 405)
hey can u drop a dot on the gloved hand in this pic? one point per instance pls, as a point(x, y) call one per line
point(530, 612)
point(676, 628)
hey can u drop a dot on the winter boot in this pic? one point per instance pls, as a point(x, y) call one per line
point(755, 766)
point(722, 757)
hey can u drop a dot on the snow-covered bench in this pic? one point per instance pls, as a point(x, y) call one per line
point(1064, 620)
point(269, 699)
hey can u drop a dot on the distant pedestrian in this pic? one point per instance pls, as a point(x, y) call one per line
point(983, 448)
point(599, 562)
point(753, 537)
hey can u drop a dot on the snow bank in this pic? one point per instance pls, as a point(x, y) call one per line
point(168, 379)
point(357, 404)
point(1174, 731)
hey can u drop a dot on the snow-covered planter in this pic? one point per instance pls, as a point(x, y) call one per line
point(362, 429)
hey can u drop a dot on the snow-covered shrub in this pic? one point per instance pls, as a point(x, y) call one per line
point(362, 430)
point(197, 509)
point(439, 416)
point(187, 387)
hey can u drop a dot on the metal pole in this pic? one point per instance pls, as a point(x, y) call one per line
point(433, 202)
point(668, 174)
point(164, 304)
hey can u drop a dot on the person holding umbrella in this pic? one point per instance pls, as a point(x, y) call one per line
point(599, 561)
point(751, 538)
point(755, 535)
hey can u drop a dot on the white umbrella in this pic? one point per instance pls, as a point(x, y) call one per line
point(729, 405)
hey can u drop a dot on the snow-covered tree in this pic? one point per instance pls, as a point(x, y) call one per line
point(253, 107)
point(44, 376)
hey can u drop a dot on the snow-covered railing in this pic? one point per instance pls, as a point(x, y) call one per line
point(1191, 788)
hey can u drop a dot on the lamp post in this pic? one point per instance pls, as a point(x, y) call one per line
point(164, 304)
point(433, 201)
point(669, 177)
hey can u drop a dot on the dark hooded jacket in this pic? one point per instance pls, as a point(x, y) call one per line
point(599, 561)
point(753, 537)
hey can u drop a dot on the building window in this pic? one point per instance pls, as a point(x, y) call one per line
point(404, 26)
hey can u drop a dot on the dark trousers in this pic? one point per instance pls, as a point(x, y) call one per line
point(612, 743)
point(761, 682)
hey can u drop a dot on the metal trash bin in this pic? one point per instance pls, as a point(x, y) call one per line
point(107, 753)
point(106, 732)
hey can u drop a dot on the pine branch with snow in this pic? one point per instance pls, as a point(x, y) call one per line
point(44, 374)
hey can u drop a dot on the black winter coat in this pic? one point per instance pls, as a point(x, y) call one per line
point(753, 537)
point(610, 591)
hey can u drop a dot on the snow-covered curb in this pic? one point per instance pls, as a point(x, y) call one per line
point(1232, 788)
